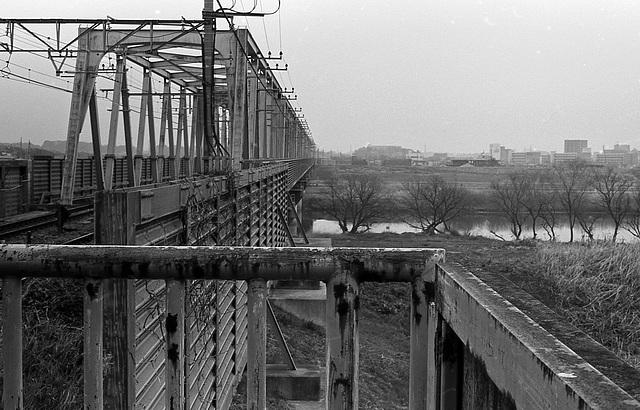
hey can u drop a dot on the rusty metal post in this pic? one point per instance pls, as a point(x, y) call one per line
point(93, 391)
point(12, 339)
point(342, 341)
point(175, 360)
point(256, 345)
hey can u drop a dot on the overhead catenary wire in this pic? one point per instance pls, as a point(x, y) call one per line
point(134, 84)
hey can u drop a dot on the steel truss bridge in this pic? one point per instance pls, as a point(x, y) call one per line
point(188, 236)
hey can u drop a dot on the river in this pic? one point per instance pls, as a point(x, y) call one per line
point(491, 226)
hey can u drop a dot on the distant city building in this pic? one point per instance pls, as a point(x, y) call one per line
point(620, 155)
point(563, 158)
point(416, 158)
point(373, 152)
point(576, 146)
point(530, 158)
point(494, 151)
point(610, 158)
point(622, 147)
point(466, 162)
point(505, 156)
point(586, 155)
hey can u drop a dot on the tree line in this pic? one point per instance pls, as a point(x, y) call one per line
point(583, 194)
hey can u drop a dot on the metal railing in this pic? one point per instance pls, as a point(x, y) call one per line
point(468, 344)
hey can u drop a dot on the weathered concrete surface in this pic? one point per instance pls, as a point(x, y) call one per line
point(214, 262)
point(306, 304)
point(302, 384)
point(313, 405)
point(610, 365)
point(529, 367)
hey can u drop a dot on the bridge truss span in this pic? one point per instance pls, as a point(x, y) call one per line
point(207, 99)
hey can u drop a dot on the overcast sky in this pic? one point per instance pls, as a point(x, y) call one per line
point(448, 76)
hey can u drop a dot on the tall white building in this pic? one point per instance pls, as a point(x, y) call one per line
point(494, 151)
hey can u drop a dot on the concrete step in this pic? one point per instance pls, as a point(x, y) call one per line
point(306, 304)
point(313, 405)
point(302, 384)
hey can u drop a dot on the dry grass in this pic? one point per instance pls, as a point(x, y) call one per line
point(597, 288)
point(52, 344)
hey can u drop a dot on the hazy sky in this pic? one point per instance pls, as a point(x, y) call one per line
point(450, 75)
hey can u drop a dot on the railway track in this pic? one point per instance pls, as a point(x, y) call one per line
point(80, 240)
point(41, 219)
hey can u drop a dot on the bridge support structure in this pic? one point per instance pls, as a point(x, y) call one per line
point(504, 360)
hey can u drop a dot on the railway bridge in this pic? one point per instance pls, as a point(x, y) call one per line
point(195, 219)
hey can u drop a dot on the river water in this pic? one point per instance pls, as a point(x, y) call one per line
point(491, 226)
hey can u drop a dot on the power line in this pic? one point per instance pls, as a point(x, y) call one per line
point(34, 82)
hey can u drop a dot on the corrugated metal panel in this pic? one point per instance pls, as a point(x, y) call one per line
point(201, 351)
point(40, 178)
point(216, 311)
point(150, 344)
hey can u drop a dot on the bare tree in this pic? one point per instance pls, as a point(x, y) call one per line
point(632, 223)
point(432, 202)
point(612, 188)
point(571, 182)
point(510, 196)
point(537, 198)
point(355, 201)
point(549, 214)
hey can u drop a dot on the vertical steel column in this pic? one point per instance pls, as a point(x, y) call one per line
point(239, 112)
point(252, 117)
point(262, 122)
point(128, 137)
point(113, 123)
point(12, 395)
point(185, 136)
point(95, 139)
point(87, 63)
point(152, 135)
point(257, 344)
point(182, 113)
point(208, 85)
point(342, 307)
point(146, 87)
point(195, 154)
point(164, 117)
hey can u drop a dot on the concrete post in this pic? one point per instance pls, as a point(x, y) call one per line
point(175, 360)
point(12, 349)
point(424, 374)
point(256, 345)
point(342, 342)
point(93, 390)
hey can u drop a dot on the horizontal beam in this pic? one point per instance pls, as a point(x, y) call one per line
point(215, 262)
